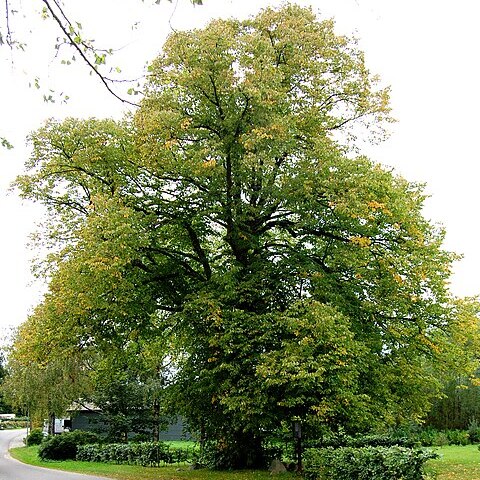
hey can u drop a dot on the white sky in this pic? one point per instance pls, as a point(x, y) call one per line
point(427, 50)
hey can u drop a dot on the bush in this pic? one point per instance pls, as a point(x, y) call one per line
point(35, 437)
point(474, 431)
point(219, 455)
point(457, 437)
point(18, 422)
point(374, 463)
point(440, 439)
point(61, 447)
point(428, 436)
point(65, 446)
point(215, 457)
point(147, 454)
point(340, 440)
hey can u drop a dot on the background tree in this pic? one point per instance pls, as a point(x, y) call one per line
point(4, 406)
point(129, 389)
point(458, 406)
point(44, 374)
point(230, 220)
point(53, 363)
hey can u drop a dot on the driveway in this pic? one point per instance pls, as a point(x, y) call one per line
point(11, 469)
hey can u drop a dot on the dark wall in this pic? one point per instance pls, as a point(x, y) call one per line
point(92, 421)
point(175, 431)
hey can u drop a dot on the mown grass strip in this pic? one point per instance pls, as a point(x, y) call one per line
point(456, 463)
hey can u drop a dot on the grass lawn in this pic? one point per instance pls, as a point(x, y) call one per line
point(190, 444)
point(129, 472)
point(457, 463)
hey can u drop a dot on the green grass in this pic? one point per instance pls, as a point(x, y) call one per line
point(456, 463)
point(129, 472)
point(186, 444)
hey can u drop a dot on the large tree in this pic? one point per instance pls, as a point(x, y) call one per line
point(230, 220)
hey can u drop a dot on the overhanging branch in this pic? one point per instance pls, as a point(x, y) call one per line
point(82, 54)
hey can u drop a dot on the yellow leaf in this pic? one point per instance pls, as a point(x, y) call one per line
point(361, 241)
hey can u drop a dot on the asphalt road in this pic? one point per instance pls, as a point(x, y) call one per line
point(11, 469)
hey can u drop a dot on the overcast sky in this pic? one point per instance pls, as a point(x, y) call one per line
point(426, 50)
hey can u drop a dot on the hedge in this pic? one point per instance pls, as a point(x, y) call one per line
point(18, 422)
point(337, 441)
point(146, 454)
point(368, 463)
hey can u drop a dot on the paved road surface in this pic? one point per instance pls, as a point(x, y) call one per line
point(11, 469)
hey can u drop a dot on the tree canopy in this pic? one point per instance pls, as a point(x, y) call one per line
point(231, 223)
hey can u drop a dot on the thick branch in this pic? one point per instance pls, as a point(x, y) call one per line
point(197, 247)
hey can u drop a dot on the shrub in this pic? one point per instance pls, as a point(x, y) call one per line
point(219, 455)
point(474, 431)
point(18, 422)
point(374, 463)
point(337, 441)
point(426, 437)
point(457, 437)
point(429, 436)
point(61, 447)
point(147, 454)
point(35, 437)
point(440, 439)
point(65, 446)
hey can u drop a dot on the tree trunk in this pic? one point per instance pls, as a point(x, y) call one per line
point(297, 434)
point(244, 450)
point(156, 421)
point(51, 424)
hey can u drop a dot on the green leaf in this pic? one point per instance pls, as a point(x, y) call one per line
point(5, 143)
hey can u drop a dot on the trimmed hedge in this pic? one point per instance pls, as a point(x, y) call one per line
point(18, 422)
point(146, 454)
point(368, 463)
point(337, 441)
point(419, 437)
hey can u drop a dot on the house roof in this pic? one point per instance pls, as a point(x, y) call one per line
point(83, 406)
